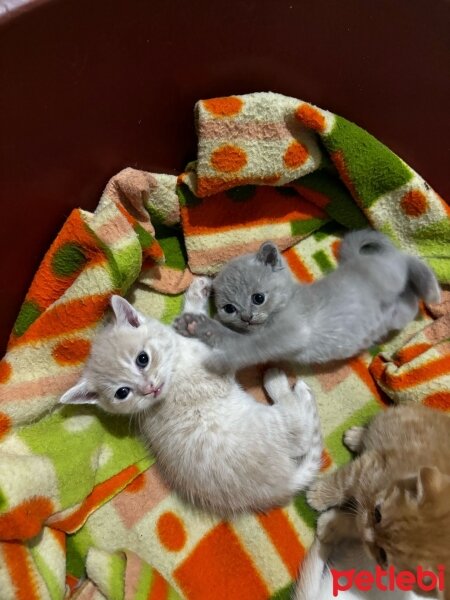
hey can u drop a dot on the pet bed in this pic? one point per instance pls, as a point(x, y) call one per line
point(83, 511)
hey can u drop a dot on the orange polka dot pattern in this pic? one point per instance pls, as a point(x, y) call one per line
point(239, 145)
point(414, 203)
point(228, 159)
point(295, 155)
point(171, 532)
point(5, 371)
point(311, 117)
point(224, 107)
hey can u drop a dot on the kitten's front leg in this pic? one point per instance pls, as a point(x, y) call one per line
point(202, 327)
point(335, 526)
point(194, 320)
point(337, 487)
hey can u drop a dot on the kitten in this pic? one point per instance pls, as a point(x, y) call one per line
point(215, 445)
point(375, 289)
point(394, 497)
point(316, 580)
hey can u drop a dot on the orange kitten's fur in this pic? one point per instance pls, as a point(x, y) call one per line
point(395, 496)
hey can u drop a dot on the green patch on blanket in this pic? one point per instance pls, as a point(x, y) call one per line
point(99, 446)
point(372, 169)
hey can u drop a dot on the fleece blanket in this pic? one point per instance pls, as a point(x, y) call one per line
point(83, 511)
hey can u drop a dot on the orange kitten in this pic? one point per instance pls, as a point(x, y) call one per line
point(395, 496)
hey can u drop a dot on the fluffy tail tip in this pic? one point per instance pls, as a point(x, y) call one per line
point(363, 242)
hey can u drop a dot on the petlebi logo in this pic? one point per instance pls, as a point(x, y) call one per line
point(388, 579)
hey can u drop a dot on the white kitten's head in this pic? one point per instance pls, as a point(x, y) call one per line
point(130, 365)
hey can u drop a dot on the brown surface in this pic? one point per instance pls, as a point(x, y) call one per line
point(90, 87)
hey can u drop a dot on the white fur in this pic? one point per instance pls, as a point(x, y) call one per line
point(215, 445)
point(316, 583)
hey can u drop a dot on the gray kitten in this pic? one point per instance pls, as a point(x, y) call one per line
point(266, 315)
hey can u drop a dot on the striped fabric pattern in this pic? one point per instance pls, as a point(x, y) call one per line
point(83, 511)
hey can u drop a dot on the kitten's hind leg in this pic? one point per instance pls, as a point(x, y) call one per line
point(298, 405)
point(302, 420)
point(196, 296)
point(310, 435)
point(309, 442)
point(354, 439)
point(405, 309)
point(277, 385)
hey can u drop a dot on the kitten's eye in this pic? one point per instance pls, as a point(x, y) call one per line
point(229, 308)
point(122, 393)
point(382, 556)
point(258, 298)
point(142, 359)
point(377, 514)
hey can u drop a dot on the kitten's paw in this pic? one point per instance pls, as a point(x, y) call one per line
point(187, 324)
point(199, 326)
point(329, 529)
point(276, 383)
point(318, 496)
point(353, 438)
point(303, 392)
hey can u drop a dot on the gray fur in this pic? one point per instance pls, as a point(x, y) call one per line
point(375, 290)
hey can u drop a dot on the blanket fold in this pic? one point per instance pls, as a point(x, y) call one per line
point(83, 511)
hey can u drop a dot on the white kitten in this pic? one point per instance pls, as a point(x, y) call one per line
point(215, 445)
point(316, 580)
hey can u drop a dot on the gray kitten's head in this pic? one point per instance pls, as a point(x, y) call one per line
point(130, 365)
point(252, 288)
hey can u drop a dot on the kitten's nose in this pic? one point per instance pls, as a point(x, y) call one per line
point(246, 317)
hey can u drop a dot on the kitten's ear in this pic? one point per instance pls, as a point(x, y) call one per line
point(429, 483)
point(125, 313)
point(80, 393)
point(269, 255)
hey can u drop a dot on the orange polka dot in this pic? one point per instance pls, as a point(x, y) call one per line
point(171, 532)
point(310, 117)
point(440, 400)
point(5, 424)
point(414, 203)
point(295, 155)
point(224, 107)
point(5, 371)
point(229, 159)
point(71, 352)
point(137, 484)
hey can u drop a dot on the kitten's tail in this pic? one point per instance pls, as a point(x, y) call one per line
point(364, 242)
point(367, 242)
point(314, 578)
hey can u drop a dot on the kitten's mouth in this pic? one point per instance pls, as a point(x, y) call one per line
point(155, 391)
